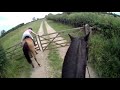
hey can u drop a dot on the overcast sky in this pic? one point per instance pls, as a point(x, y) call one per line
point(9, 20)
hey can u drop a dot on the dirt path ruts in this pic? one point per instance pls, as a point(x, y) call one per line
point(63, 50)
point(44, 70)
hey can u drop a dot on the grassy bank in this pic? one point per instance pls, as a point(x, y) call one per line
point(17, 66)
point(14, 37)
point(104, 53)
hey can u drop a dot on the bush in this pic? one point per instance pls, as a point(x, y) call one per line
point(103, 21)
point(3, 61)
point(104, 56)
point(104, 51)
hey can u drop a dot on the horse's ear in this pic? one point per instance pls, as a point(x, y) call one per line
point(70, 36)
point(86, 37)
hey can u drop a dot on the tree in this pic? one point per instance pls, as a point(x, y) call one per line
point(67, 13)
point(33, 19)
point(2, 32)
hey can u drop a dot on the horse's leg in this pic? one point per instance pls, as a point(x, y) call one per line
point(33, 51)
point(30, 54)
point(37, 61)
point(35, 47)
point(32, 65)
point(36, 51)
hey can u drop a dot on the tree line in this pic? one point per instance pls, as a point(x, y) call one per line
point(3, 32)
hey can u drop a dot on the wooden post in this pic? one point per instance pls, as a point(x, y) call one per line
point(91, 31)
point(87, 29)
point(40, 43)
point(37, 42)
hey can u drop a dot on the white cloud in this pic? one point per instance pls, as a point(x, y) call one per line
point(10, 19)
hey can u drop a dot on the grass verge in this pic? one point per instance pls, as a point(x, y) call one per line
point(54, 57)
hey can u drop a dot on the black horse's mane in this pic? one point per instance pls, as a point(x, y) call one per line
point(75, 59)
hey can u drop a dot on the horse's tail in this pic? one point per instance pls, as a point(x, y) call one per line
point(26, 52)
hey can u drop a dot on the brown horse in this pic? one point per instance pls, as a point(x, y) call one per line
point(28, 49)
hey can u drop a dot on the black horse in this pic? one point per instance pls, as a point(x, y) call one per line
point(74, 65)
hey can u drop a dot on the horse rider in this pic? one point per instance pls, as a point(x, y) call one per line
point(27, 33)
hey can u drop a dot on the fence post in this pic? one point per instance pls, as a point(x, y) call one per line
point(91, 31)
point(40, 43)
point(37, 42)
point(87, 29)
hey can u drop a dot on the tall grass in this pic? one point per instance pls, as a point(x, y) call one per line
point(104, 52)
point(104, 56)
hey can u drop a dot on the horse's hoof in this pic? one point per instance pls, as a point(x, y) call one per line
point(32, 66)
point(36, 52)
point(39, 65)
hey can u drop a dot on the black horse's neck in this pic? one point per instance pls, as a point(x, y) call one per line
point(74, 64)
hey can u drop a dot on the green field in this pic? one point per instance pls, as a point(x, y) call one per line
point(14, 37)
point(68, 29)
point(16, 68)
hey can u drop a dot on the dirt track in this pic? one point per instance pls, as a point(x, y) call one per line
point(44, 70)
